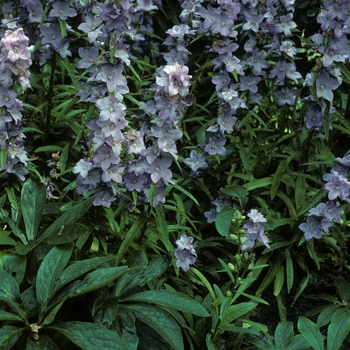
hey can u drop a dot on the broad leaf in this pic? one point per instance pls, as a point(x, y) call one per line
point(68, 233)
point(170, 300)
point(9, 292)
point(50, 270)
point(338, 329)
point(311, 333)
point(79, 268)
point(14, 264)
point(235, 311)
point(71, 215)
point(161, 322)
point(223, 220)
point(43, 343)
point(8, 316)
point(92, 281)
point(90, 336)
point(146, 274)
point(8, 336)
point(283, 334)
point(33, 199)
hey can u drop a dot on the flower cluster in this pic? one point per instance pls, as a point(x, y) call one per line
point(254, 230)
point(322, 217)
point(185, 252)
point(15, 60)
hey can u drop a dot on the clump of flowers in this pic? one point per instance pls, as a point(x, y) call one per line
point(15, 60)
point(322, 217)
point(185, 252)
point(254, 230)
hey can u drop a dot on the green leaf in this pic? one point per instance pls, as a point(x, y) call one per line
point(79, 268)
point(161, 322)
point(223, 220)
point(50, 316)
point(188, 194)
point(289, 204)
point(92, 281)
point(313, 201)
point(49, 271)
point(43, 343)
point(300, 191)
point(344, 289)
point(238, 192)
point(298, 342)
point(68, 233)
point(277, 177)
point(283, 334)
point(253, 185)
point(69, 216)
point(279, 281)
point(311, 333)
point(171, 300)
point(129, 238)
point(33, 199)
point(14, 264)
point(289, 270)
point(235, 311)
point(8, 316)
point(326, 315)
point(8, 336)
point(141, 276)
point(9, 292)
point(162, 228)
point(5, 239)
point(270, 276)
point(338, 330)
point(90, 336)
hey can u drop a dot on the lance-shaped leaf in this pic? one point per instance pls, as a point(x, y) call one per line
point(91, 336)
point(237, 310)
point(161, 322)
point(33, 199)
point(50, 270)
point(93, 280)
point(71, 215)
point(170, 300)
point(9, 292)
point(311, 332)
point(8, 336)
point(68, 233)
point(79, 268)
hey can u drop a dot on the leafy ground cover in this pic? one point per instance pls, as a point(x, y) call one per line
point(174, 174)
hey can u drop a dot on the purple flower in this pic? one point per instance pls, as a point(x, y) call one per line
point(337, 185)
point(257, 61)
point(196, 161)
point(314, 117)
point(112, 75)
point(345, 160)
point(185, 242)
point(135, 182)
point(211, 215)
point(216, 146)
point(82, 168)
point(88, 57)
point(185, 252)
point(62, 10)
point(17, 45)
point(256, 217)
point(174, 79)
point(159, 169)
point(184, 259)
point(311, 228)
point(104, 198)
point(325, 84)
point(285, 96)
point(250, 83)
point(286, 25)
point(51, 35)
